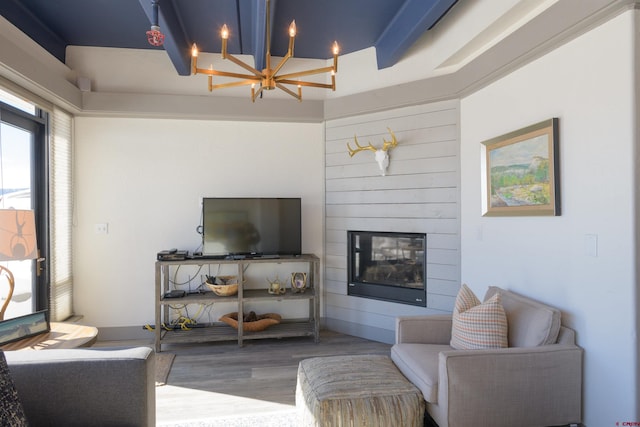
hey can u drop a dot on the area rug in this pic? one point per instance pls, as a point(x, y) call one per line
point(164, 361)
point(286, 419)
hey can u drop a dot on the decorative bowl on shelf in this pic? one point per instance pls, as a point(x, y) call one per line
point(225, 286)
point(252, 322)
point(224, 290)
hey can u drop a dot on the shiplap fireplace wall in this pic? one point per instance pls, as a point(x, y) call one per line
point(419, 194)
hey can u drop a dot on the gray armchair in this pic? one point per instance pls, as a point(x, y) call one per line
point(537, 381)
point(85, 387)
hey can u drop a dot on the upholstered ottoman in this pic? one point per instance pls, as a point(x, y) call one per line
point(361, 390)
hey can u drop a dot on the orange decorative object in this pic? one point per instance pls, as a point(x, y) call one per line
point(263, 321)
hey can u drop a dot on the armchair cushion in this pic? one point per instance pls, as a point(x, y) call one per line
point(476, 325)
point(531, 323)
point(11, 411)
point(419, 363)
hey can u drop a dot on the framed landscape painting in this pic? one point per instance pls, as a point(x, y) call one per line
point(521, 172)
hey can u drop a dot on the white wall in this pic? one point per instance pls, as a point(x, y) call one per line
point(145, 178)
point(587, 85)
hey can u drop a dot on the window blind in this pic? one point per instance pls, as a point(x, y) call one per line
point(61, 215)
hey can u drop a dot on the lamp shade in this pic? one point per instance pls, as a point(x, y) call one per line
point(17, 235)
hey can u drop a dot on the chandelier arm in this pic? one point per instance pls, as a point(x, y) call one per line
point(211, 72)
point(255, 94)
point(304, 73)
point(308, 84)
point(243, 65)
point(234, 84)
point(281, 63)
point(298, 95)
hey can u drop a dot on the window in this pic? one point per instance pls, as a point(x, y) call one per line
point(35, 173)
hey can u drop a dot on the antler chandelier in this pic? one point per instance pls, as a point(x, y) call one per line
point(268, 78)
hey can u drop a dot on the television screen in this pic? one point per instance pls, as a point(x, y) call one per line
point(251, 226)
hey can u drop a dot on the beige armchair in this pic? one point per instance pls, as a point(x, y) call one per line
point(536, 382)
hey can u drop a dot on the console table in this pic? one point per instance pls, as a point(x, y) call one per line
point(309, 326)
point(61, 335)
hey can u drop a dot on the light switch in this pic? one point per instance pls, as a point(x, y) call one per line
point(591, 245)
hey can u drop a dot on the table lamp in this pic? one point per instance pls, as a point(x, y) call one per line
point(17, 243)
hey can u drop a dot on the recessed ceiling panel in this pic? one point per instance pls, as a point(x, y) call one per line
point(354, 24)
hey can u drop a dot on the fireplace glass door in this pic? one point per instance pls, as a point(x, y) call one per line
point(387, 266)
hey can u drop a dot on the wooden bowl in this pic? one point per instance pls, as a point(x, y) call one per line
point(263, 322)
point(224, 290)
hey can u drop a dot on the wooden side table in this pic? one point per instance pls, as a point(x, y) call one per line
point(61, 335)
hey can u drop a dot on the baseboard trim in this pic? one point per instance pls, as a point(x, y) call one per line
point(358, 330)
point(121, 333)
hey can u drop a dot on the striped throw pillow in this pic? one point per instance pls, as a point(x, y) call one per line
point(478, 325)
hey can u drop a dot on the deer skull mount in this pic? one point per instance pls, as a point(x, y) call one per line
point(381, 154)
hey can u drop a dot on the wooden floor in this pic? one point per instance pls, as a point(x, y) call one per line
point(223, 380)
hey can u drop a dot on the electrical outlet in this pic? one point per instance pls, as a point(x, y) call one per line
point(102, 228)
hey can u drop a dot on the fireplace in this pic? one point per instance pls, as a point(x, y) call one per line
point(387, 266)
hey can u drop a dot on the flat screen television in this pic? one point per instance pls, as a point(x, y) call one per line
point(251, 226)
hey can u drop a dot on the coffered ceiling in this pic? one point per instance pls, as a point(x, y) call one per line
point(391, 26)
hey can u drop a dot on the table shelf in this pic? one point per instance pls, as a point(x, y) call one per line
point(222, 332)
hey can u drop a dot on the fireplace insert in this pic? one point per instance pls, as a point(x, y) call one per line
point(387, 266)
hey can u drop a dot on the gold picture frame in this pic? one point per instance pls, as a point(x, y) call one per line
point(521, 172)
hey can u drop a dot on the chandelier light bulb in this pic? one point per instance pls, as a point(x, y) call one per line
point(292, 29)
point(336, 48)
point(194, 50)
point(224, 32)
